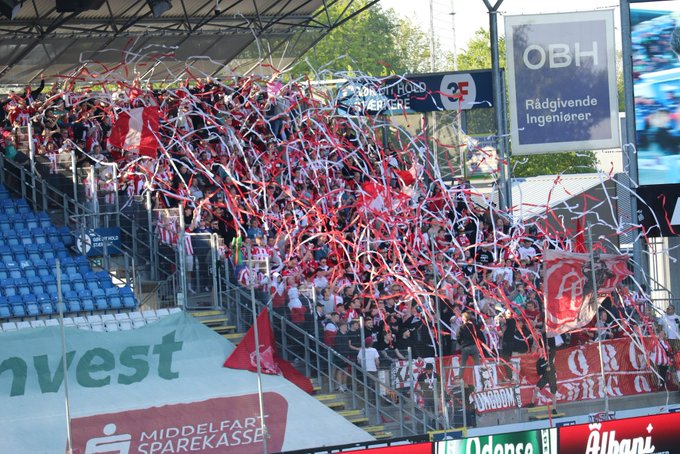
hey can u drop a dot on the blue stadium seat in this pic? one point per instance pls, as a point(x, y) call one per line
point(50, 284)
point(86, 293)
point(66, 236)
point(32, 309)
point(111, 291)
point(74, 305)
point(70, 294)
point(5, 312)
point(18, 225)
point(8, 287)
point(12, 239)
point(4, 274)
point(88, 304)
point(18, 310)
point(3, 301)
point(30, 271)
point(79, 285)
point(31, 222)
point(102, 304)
point(33, 251)
point(115, 302)
point(44, 219)
point(46, 308)
point(129, 301)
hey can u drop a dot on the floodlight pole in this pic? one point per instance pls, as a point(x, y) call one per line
point(629, 140)
point(505, 192)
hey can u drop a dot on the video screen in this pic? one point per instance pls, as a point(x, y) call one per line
point(655, 33)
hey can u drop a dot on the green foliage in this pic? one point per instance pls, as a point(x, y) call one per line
point(376, 42)
point(550, 164)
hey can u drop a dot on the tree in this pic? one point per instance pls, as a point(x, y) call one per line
point(478, 56)
point(376, 42)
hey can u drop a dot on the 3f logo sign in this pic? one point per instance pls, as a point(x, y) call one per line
point(558, 55)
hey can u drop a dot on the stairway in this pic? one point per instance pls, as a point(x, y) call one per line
point(339, 401)
point(218, 321)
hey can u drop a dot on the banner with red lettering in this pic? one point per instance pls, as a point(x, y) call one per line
point(569, 299)
point(627, 366)
point(627, 371)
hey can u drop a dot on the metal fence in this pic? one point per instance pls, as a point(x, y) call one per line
point(141, 258)
point(302, 344)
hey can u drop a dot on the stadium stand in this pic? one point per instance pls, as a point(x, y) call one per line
point(30, 246)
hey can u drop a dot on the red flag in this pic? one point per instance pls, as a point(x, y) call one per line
point(136, 129)
point(245, 357)
point(567, 305)
point(569, 300)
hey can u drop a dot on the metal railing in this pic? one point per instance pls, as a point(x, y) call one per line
point(140, 252)
point(371, 392)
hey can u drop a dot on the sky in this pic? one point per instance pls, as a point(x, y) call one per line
point(470, 15)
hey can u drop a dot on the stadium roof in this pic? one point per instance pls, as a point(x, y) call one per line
point(207, 34)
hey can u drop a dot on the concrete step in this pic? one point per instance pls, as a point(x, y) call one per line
point(382, 435)
point(214, 322)
point(335, 405)
point(206, 313)
point(358, 421)
point(325, 397)
point(350, 413)
point(234, 337)
point(374, 429)
point(224, 329)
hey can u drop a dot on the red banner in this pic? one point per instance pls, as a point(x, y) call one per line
point(648, 434)
point(627, 371)
point(627, 368)
point(569, 299)
point(228, 424)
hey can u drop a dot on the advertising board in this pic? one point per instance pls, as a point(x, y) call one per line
point(647, 434)
point(543, 441)
point(562, 82)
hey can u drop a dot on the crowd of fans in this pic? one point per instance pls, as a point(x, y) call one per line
point(342, 226)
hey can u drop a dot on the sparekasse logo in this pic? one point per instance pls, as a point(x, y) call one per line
point(458, 91)
point(110, 443)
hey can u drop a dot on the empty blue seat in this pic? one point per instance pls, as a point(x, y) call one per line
point(32, 310)
point(102, 304)
point(46, 308)
point(29, 272)
point(70, 294)
point(86, 293)
point(12, 239)
point(88, 304)
point(129, 302)
point(5, 312)
point(78, 285)
point(66, 236)
point(19, 310)
point(74, 305)
point(111, 291)
point(44, 219)
point(8, 288)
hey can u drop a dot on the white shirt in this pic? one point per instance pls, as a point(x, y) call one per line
point(671, 325)
point(372, 357)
